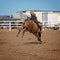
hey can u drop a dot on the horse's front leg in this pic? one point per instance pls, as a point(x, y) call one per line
point(19, 30)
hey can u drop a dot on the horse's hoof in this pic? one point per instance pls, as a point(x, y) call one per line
point(40, 41)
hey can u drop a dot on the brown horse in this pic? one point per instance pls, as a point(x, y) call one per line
point(32, 27)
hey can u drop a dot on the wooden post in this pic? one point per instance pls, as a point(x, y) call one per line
point(9, 26)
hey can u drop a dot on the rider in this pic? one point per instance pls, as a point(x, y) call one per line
point(34, 18)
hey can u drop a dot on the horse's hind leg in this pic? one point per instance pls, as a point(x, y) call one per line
point(39, 37)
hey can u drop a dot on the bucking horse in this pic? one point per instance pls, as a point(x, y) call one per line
point(32, 27)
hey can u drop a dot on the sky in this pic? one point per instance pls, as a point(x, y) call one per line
point(8, 7)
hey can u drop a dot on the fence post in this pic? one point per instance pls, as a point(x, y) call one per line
point(9, 26)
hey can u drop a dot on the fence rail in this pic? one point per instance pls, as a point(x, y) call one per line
point(14, 24)
point(11, 24)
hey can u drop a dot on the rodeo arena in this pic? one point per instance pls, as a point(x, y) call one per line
point(33, 45)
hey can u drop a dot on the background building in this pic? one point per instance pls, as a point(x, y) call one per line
point(48, 18)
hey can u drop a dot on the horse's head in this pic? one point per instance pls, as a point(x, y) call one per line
point(27, 19)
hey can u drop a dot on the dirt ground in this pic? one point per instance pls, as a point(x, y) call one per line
point(28, 48)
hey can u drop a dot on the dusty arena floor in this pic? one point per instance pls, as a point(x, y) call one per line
point(28, 48)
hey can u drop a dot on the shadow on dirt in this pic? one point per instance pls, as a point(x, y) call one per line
point(28, 43)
